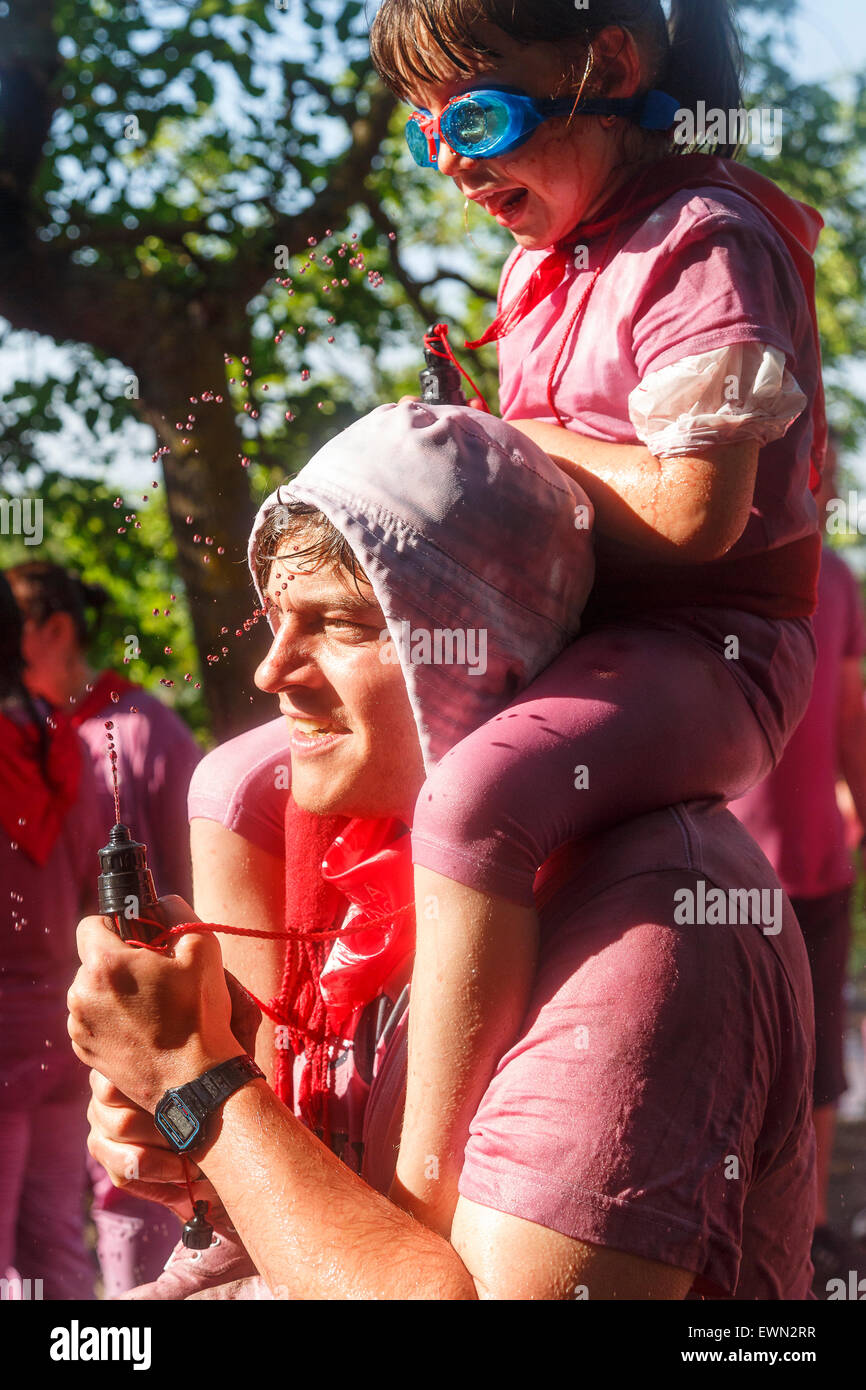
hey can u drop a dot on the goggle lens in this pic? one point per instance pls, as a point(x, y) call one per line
point(419, 145)
point(476, 125)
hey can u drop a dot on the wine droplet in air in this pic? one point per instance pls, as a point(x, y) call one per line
point(112, 758)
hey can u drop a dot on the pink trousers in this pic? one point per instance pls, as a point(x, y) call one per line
point(633, 716)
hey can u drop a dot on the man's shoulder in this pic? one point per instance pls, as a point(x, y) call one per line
point(245, 757)
point(691, 837)
point(680, 887)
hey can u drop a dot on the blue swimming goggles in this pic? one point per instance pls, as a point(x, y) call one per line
point(489, 122)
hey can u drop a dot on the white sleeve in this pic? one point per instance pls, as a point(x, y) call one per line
point(733, 393)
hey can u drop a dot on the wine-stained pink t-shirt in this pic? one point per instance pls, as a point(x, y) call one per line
point(244, 785)
point(705, 270)
point(793, 813)
point(40, 910)
point(658, 1099)
point(156, 754)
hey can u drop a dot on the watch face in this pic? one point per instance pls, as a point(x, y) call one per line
point(177, 1122)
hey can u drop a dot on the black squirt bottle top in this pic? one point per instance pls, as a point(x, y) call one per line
point(125, 885)
point(440, 379)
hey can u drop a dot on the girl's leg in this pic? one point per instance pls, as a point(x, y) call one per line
point(627, 720)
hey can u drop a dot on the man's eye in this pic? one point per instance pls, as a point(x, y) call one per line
point(347, 628)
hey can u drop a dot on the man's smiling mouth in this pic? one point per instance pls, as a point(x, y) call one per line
point(313, 728)
point(311, 735)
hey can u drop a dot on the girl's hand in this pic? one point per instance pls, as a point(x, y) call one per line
point(148, 1020)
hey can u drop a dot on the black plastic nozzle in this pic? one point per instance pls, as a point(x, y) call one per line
point(440, 379)
point(198, 1232)
point(126, 890)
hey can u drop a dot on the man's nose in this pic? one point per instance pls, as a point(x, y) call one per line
point(288, 662)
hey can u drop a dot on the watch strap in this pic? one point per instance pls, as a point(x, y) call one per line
point(215, 1086)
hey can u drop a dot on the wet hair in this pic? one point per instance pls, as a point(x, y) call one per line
point(42, 588)
point(695, 55)
point(325, 546)
point(13, 691)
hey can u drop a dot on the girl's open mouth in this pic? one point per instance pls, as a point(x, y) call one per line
point(503, 206)
point(511, 207)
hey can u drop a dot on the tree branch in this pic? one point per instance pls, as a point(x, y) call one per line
point(345, 187)
point(413, 288)
point(476, 289)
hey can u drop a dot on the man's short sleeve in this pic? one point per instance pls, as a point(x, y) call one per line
point(244, 785)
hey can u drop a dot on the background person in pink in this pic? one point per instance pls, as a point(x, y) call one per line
point(156, 754)
point(49, 835)
point(657, 337)
point(795, 818)
point(648, 1134)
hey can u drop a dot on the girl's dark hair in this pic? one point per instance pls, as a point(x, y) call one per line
point(13, 691)
point(42, 589)
point(695, 55)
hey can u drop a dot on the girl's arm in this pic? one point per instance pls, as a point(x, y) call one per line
point(679, 510)
point(474, 967)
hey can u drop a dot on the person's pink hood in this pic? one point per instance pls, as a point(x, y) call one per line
point(473, 541)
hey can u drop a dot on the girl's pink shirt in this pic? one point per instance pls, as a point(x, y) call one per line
point(704, 270)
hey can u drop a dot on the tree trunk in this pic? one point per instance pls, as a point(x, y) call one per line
point(206, 481)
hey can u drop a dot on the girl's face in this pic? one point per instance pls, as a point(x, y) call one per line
point(563, 173)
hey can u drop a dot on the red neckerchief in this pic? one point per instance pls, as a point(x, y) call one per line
point(796, 223)
point(359, 861)
point(370, 863)
point(107, 683)
point(299, 1004)
point(26, 795)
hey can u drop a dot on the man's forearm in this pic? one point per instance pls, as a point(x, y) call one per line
point(314, 1229)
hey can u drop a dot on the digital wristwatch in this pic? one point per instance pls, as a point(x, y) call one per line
point(183, 1111)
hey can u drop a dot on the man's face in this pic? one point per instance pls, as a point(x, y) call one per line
point(354, 742)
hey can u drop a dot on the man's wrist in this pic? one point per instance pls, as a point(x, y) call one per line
point(190, 1063)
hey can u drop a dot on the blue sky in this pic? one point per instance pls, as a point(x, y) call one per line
point(832, 36)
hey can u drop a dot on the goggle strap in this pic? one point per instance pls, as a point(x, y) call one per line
point(655, 110)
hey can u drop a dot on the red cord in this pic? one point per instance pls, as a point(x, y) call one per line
point(440, 331)
point(188, 1182)
point(165, 935)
